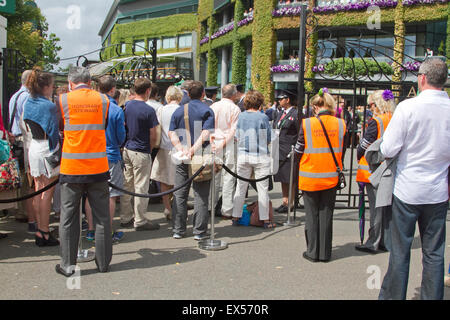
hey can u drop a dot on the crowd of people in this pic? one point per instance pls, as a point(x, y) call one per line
point(90, 137)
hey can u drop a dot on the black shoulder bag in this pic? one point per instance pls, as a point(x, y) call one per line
point(341, 183)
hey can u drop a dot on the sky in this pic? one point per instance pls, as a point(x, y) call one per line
point(76, 23)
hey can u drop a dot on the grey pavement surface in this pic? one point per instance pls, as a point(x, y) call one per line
point(258, 264)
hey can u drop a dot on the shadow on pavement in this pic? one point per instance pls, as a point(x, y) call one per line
point(150, 258)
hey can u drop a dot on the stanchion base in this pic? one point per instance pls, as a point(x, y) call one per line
point(212, 245)
point(85, 255)
point(291, 223)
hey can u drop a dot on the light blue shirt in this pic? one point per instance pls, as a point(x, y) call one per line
point(253, 133)
point(24, 95)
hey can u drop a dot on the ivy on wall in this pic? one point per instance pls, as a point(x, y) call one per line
point(399, 45)
point(263, 47)
point(213, 59)
point(151, 28)
point(239, 65)
point(311, 53)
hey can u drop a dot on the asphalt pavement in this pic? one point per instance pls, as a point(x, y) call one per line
point(258, 264)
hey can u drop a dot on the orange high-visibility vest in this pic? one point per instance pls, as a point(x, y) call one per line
point(363, 173)
point(84, 149)
point(317, 169)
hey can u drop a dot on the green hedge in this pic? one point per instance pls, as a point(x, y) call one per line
point(357, 67)
point(239, 65)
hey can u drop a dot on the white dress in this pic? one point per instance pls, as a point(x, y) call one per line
point(39, 149)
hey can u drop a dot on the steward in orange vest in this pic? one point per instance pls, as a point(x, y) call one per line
point(84, 112)
point(84, 170)
point(318, 175)
point(382, 121)
point(317, 168)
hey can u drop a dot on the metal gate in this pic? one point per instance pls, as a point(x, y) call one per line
point(14, 64)
point(352, 71)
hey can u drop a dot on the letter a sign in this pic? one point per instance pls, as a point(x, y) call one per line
point(8, 6)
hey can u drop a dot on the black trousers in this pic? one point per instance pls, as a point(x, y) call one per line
point(319, 207)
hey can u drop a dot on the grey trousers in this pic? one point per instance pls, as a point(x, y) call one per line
point(376, 230)
point(431, 219)
point(179, 206)
point(69, 229)
point(319, 207)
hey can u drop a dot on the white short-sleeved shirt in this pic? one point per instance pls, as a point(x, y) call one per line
point(419, 133)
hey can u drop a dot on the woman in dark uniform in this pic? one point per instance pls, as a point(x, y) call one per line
point(287, 122)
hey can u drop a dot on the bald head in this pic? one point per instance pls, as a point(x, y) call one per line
point(25, 76)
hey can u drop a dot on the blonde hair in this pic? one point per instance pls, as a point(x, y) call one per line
point(324, 101)
point(381, 105)
point(174, 94)
point(124, 95)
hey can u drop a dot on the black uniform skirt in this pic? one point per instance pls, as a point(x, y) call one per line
point(284, 171)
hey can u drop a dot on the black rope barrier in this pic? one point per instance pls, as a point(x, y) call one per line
point(250, 180)
point(157, 195)
point(31, 195)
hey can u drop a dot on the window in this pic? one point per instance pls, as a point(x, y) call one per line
point(185, 41)
point(169, 43)
point(139, 46)
point(123, 47)
point(150, 43)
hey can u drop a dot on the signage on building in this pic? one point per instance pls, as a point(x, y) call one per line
point(8, 6)
point(218, 3)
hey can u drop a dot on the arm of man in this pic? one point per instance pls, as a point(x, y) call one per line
point(300, 145)
point(395, 134)
point(198, 144)
point(370, 135)
point(152, 137)
point(120, 126)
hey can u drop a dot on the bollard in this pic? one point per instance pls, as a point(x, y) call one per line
point(211, 244)
point(289, 222)
point(84, 255)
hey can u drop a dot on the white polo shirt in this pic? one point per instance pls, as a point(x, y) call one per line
point(419, 133)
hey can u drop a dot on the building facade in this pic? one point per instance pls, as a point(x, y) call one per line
point(133, 24)
point(256, 42)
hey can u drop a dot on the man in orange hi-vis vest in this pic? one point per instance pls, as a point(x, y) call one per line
point(381, 103)
point(84, 169)
point(318, 176)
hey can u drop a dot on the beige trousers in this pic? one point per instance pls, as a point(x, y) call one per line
point(137, 178)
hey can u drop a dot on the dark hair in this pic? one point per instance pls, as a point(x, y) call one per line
point(210, 94)
point(106, 83)
point(195, 90)
point(253, 100)
point(37, 80)
point(155, 91)
point(141, 85)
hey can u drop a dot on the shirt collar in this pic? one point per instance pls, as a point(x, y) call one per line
point(82, 86)
point(111, 99)
point(289, 109)
point(436, 93)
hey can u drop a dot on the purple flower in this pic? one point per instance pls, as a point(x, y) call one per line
point(387, 95)
point(204, 40)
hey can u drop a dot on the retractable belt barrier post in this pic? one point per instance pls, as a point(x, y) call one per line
point(84, 255)
point(212, 244)
point(289, 222)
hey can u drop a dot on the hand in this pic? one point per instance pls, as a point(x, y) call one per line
point(11, 138)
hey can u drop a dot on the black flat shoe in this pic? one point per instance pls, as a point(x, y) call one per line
point(282, 209)
point(3, 235)
point(309, 258)
point(42, 242)
point(382, 248)
point(365, 249)
point(60, 270)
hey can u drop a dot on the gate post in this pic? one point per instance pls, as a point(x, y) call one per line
point(301, 57)
point(3, 37)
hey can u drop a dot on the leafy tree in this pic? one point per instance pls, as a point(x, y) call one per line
point(28, 33)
